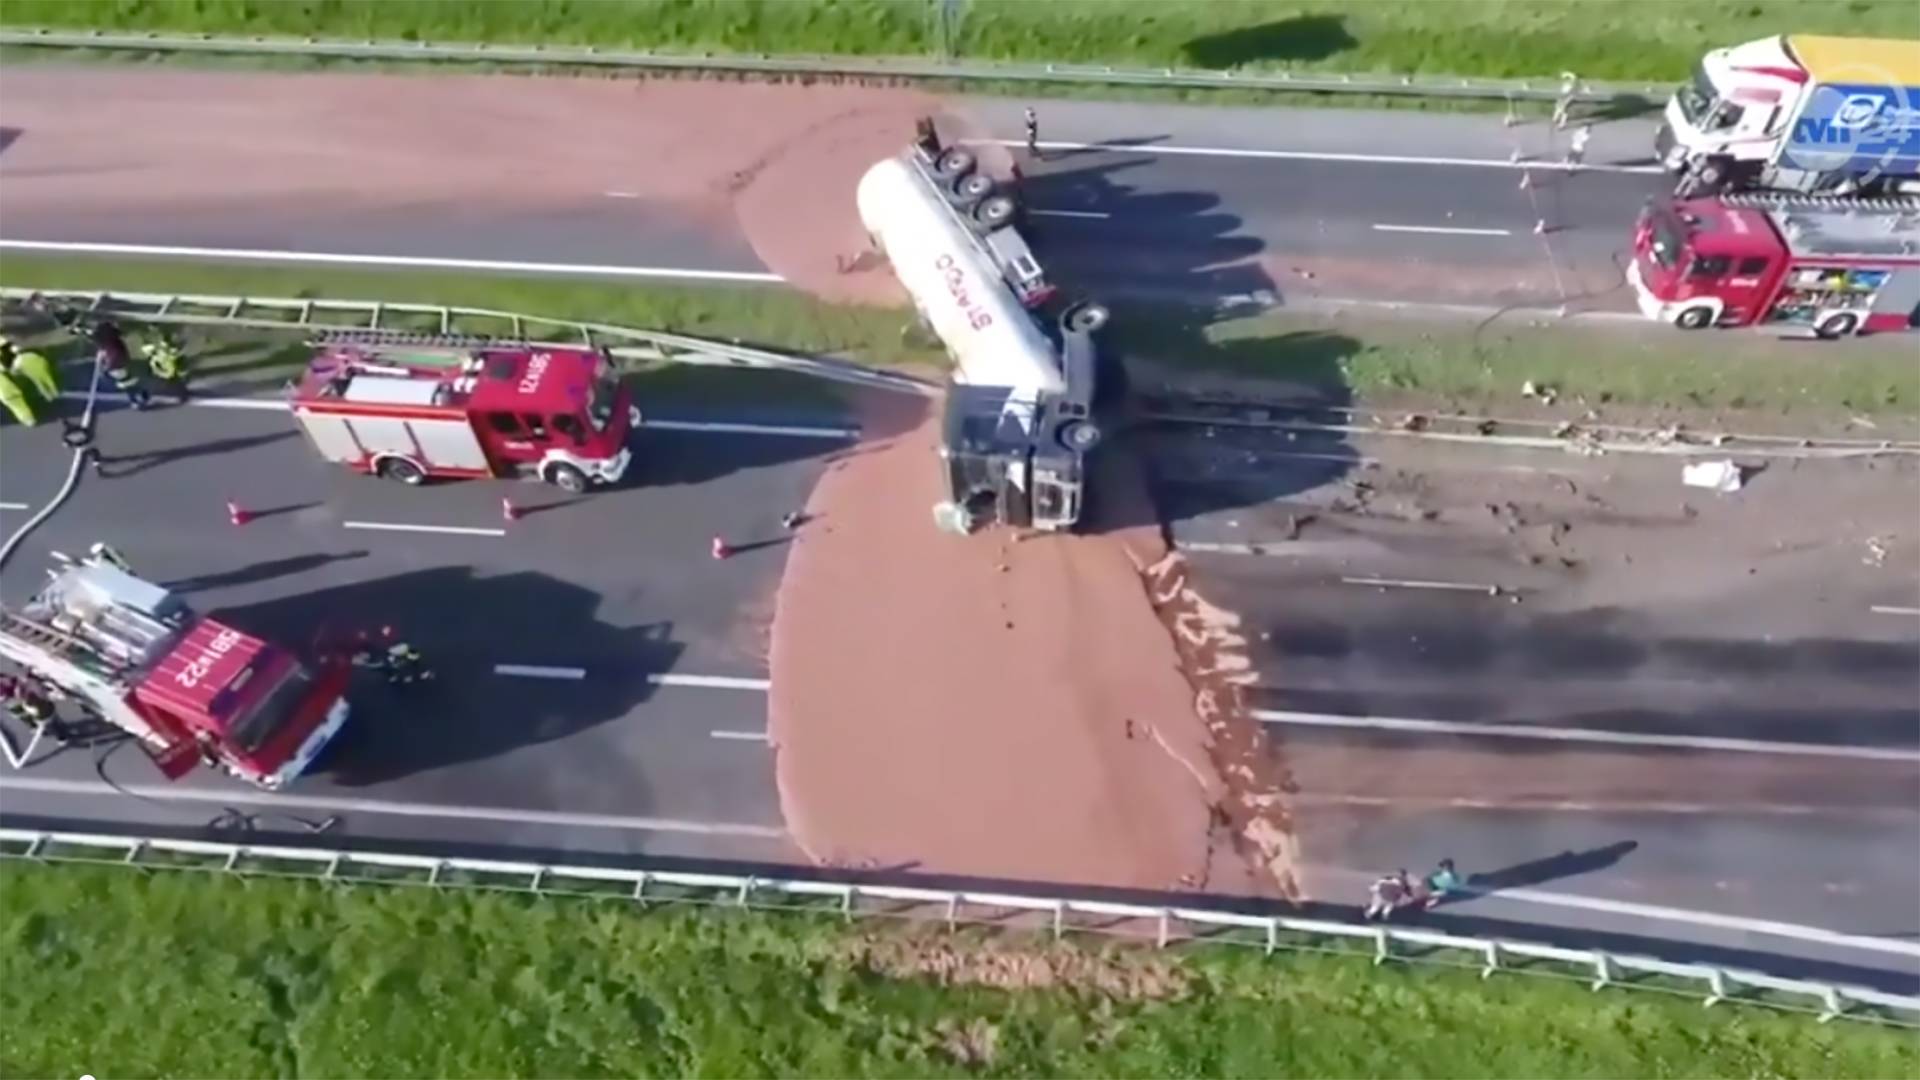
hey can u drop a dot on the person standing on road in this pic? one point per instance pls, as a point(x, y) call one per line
point(111, 346)
point(167, 363)
point(1577, 148)
point(34, 369)
point(1033, 134)
point(15, 400)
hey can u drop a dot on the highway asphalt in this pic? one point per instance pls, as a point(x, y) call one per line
point(1294, 205)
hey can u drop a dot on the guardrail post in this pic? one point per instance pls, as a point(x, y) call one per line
point(132, 857)
point(1833, 1003)
point(953, 912)
point(539, 876)
point(1382, 945)
point(640, 888)
point(433, 874)
point(1273, 935)
point(1493, 960)
point(1059, 919)
point(746, 887)
point(1166, 926)
point(1716, 988)
point(233, 860)
point(1602, 971)
point(846, 903)
point(333, 868)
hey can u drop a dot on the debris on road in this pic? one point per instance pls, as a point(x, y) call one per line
point(1876, 551)
point(1722, 476)
point(1539, 392)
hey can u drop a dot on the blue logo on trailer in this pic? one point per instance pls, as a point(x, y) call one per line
point(1857, 128)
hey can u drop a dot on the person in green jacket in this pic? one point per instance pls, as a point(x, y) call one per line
point(167, 363)
point(34, 369)
point(15, 400)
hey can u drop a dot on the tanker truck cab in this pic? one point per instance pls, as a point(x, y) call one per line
point(461, 407)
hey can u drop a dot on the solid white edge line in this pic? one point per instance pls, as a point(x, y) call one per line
point(12, 506)
point(430, 262)
point(456, 530)
point(711, 682)
point(1098, 215)
point(753, 429)
point(284, 800)
point(1702, 918)
point(739, 736)
point(535, 671)
point(1593, 735)
point(1442, 230)
point(1883, 609)
point(1316, 155)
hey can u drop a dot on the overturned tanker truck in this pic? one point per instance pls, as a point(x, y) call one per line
point(1018, 419)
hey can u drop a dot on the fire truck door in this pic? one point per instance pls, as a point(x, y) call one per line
point(177, 760)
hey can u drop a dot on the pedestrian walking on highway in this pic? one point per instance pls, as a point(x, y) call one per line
point(1389, 893)
point(167, 363)
point(15, 400)
point(1033, 134)
point(1577, 148)
point(111, 347)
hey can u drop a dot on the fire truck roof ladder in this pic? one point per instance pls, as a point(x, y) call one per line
point(1763, 200)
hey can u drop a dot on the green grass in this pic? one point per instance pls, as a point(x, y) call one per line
point(1458, 363)
point(1387, 360)
point(116, 973)
point(1601, 39)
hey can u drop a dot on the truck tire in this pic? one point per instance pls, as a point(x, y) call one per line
point(1079, 435)
point(567, 478)
point(954, 164)
point(973, 187)
point(1697, 317)
point(994, 211)
point(402, 471)
point(1837, 325)
point(1709, 178)
point(1085, 318)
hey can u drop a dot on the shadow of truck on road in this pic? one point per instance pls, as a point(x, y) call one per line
point(465, 624)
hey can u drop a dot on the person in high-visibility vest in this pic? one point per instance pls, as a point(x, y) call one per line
point(34, 369)
point(15, 400)
point(167, 363)
point(112, 348)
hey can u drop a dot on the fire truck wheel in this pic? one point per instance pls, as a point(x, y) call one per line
point(402, 470)
point(954, 163)
point(1697, 317)
point(994, 212)
point(1837, 326)
point(1080, 435)
point(567, 478)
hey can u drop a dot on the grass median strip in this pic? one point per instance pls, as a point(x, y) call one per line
point(1484, 38)
point(113, 972)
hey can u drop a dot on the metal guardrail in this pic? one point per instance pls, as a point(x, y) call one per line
point(836, 66)
point(321, 315)
point(1057, 915)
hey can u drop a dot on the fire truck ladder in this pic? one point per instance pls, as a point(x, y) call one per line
point(380, 322)
point(1766, 200)
point(22, 635)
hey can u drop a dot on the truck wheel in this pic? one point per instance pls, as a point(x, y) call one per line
point(1698, 317)
point(1709, 178)
point(1085, 318)
point(567, 478)
point(1080, 435)
point(973, 186)
point(1837, 326)
point(994, 212)
point(954, 163)
point(402, 470)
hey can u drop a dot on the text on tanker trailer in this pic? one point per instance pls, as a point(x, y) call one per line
point(1798, 113)
point(188, 688)
point(1018, 418)
point(407, 407)
point(1834, 267)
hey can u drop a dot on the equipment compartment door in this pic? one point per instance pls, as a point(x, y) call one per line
point(449, 444)
point(331, 436)
point(383, 434)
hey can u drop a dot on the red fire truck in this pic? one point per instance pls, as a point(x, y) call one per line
point(129, 653)
point(1833, 267)
point(407, 407)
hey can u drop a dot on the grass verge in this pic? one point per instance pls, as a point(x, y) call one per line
point(1487, 38)
point(175, 973)
point(1366, 359)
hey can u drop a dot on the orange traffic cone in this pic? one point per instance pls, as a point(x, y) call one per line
point(720, 548)
point(237, 515)
point(508, 510)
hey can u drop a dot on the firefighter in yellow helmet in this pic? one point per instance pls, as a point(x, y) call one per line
point(167, 363)
point(32, 368)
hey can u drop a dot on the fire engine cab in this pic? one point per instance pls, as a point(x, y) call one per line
point(133, 655)
point(1833, 267)
point(407, 407)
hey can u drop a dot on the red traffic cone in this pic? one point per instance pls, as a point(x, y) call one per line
point(720, 548)
point(508, 510)
point(237, 515)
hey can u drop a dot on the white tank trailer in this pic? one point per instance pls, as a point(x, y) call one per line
point(1018, 419)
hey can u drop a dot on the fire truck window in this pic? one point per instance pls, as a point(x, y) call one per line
point(536, 425)
point(570, 427)
point(504, 423)
point(1756, 264)
point(1705, 266)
